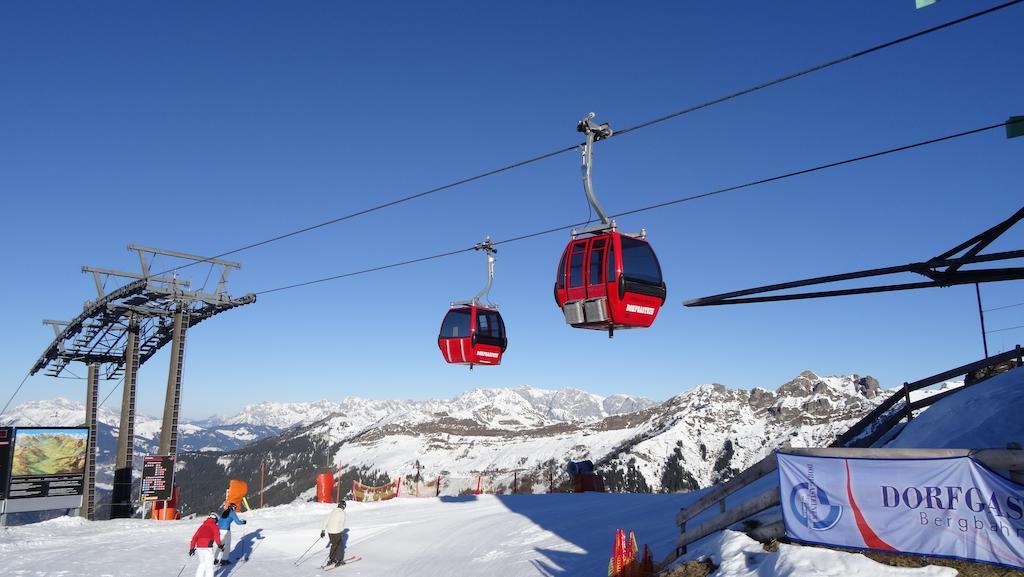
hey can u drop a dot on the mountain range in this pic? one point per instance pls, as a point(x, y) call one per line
point(499, 439)
point(520, 439)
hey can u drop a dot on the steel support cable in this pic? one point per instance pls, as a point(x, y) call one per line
point(1002, 307)
point(111, 392)
point(820, 67)
point(681, 200)
point(618, 132)
point(1004, 329)
point(16, 391)
point(367, 270)
point(100, 404)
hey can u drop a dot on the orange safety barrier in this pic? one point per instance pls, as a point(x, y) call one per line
point(168, 510)
point(236, 493)
point(325, 488)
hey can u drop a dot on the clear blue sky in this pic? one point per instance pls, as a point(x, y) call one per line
point(203, 126)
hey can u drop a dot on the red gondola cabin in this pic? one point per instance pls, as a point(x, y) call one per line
point(472, 335)
point(609, 281)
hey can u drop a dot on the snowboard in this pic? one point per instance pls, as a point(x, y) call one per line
point(348, 561)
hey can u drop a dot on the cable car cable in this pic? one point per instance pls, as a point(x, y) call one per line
point(1004, 329)
point(640, 126)
point(14, 394)
point(368, 270)
point(817, 68)
point(772, 178)
point(753, 183)
point(1002, 307)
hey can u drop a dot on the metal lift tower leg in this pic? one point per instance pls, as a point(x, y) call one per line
point(172, 402)
point(121, 500)
point(92, 393)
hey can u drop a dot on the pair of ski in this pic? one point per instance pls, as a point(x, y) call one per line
point(329, 566)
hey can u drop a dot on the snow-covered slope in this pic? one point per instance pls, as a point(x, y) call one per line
point(985, 415)
point(517, 536)
point(737, 555)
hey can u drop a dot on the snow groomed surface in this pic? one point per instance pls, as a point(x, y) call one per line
point(564, 535)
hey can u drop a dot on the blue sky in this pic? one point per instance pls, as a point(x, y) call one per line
point(202, 127)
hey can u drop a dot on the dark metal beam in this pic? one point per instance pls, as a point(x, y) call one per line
point(943, 270)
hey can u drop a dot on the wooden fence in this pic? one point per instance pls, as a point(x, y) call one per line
point(872, 427)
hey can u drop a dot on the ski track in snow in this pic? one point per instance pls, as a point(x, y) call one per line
point(523, 535)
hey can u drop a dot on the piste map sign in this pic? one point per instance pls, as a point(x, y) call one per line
point(157, 477)
point(947, 507)
point(47, 468)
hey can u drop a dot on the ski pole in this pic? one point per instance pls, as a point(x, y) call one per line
point(307, 550)
point(182, 569)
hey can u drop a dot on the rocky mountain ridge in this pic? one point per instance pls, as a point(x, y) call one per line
point(500, 438)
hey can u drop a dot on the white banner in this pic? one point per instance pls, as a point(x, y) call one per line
point(942, 507)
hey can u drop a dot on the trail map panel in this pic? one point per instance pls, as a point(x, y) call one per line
point(47, 468)
point(157, 477)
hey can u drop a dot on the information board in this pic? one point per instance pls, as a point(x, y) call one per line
point(157, 477)
point(47, 468)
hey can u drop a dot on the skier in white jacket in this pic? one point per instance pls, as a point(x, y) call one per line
point(333, 526)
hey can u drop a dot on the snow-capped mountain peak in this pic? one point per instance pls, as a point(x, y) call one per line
point(59, 411)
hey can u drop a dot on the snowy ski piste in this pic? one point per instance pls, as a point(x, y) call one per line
point(567, 535)
point(485, 535)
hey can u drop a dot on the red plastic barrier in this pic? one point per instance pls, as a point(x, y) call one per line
point(325, 488)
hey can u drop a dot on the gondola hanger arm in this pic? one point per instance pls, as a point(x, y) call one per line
point(488, 247)
point(594, 133)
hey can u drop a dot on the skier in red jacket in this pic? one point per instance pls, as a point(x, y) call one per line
point(206, 535)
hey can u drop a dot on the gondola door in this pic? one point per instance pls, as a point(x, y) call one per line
point(575, 281)
point(456, 338)
point(596, 306)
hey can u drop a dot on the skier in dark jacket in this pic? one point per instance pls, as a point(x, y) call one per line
point(205, 537)
point(333, 526)
point(227, 517)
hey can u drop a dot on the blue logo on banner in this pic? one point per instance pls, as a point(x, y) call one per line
point(812, 508)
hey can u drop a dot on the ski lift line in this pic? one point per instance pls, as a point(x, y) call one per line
point(389, 204)
point(750, 184)
point(1004, 329)
point(366, 271)
point(772, 178)
point(818, 68)
point(111, 392)
point(818, 168)
point(16, 391)
point(1003, 307)
point(642, 125)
